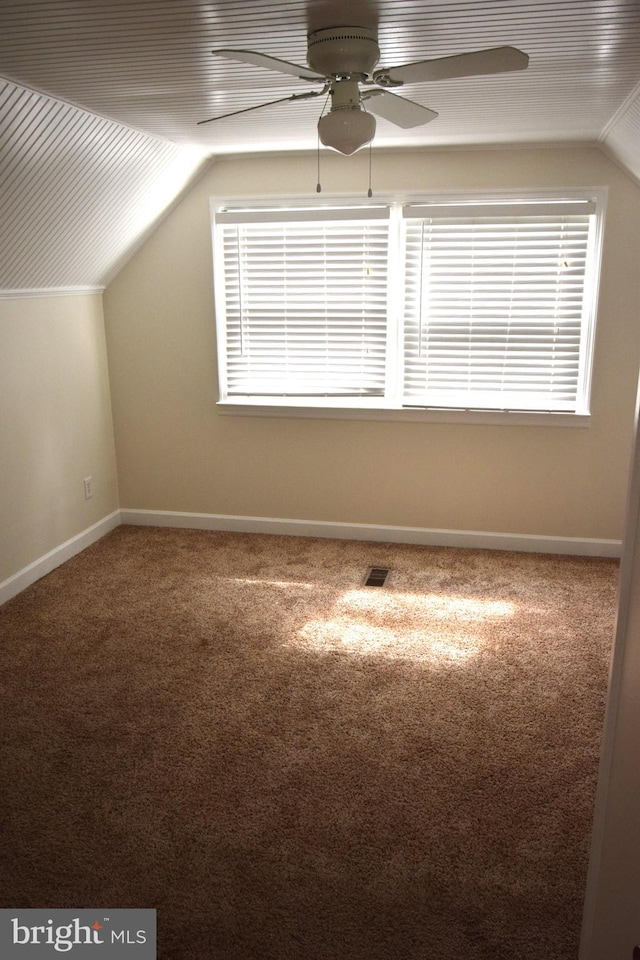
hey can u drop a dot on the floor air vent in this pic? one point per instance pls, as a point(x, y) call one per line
point(377, 577)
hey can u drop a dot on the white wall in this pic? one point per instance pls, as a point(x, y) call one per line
point(611, 922)
point(177, 453)
point(55, 425)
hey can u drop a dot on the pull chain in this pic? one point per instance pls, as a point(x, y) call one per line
point(324, 107)
point(369, 191)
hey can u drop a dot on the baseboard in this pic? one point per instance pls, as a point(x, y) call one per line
point(526, 543)
point(44, 565)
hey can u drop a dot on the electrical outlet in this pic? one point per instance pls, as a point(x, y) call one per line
point(88, 488)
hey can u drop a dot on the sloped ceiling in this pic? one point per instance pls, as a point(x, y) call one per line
point(101, 99)
point(77, 191)
point(621, 137)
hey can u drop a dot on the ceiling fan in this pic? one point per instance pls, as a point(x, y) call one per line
point(343, 60)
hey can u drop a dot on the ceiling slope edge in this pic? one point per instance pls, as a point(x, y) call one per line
point(621, 137)
point(78, 192)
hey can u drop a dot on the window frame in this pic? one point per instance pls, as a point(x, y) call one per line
point(362, 408)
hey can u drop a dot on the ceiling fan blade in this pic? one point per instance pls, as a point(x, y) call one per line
point(404, 113)
point(259, 106)
point(494, 60)
point(270, 63)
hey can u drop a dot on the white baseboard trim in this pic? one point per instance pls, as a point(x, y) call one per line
point(527, 543)
point(45, 564)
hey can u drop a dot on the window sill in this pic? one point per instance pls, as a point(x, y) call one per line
point(325, 411)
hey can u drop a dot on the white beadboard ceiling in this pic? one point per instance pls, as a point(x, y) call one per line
point(101, 98)
point(77, 191)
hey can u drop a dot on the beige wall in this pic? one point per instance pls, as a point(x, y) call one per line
point(55, 425)
point(177, 452)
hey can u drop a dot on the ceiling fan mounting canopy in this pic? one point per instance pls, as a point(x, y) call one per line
point(343, 51)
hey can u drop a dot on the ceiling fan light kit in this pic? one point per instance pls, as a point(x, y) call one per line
point(346, 130)
point(346, 127)
point(342, 58)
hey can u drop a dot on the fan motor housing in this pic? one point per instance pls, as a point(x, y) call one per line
point(343, 51)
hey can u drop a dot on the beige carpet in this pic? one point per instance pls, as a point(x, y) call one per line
point(232, 729)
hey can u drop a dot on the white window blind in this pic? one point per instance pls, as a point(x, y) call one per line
point(304, 302)
point(464, 305)
point(495, 306)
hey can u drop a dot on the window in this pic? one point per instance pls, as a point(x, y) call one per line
point(416, 308)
